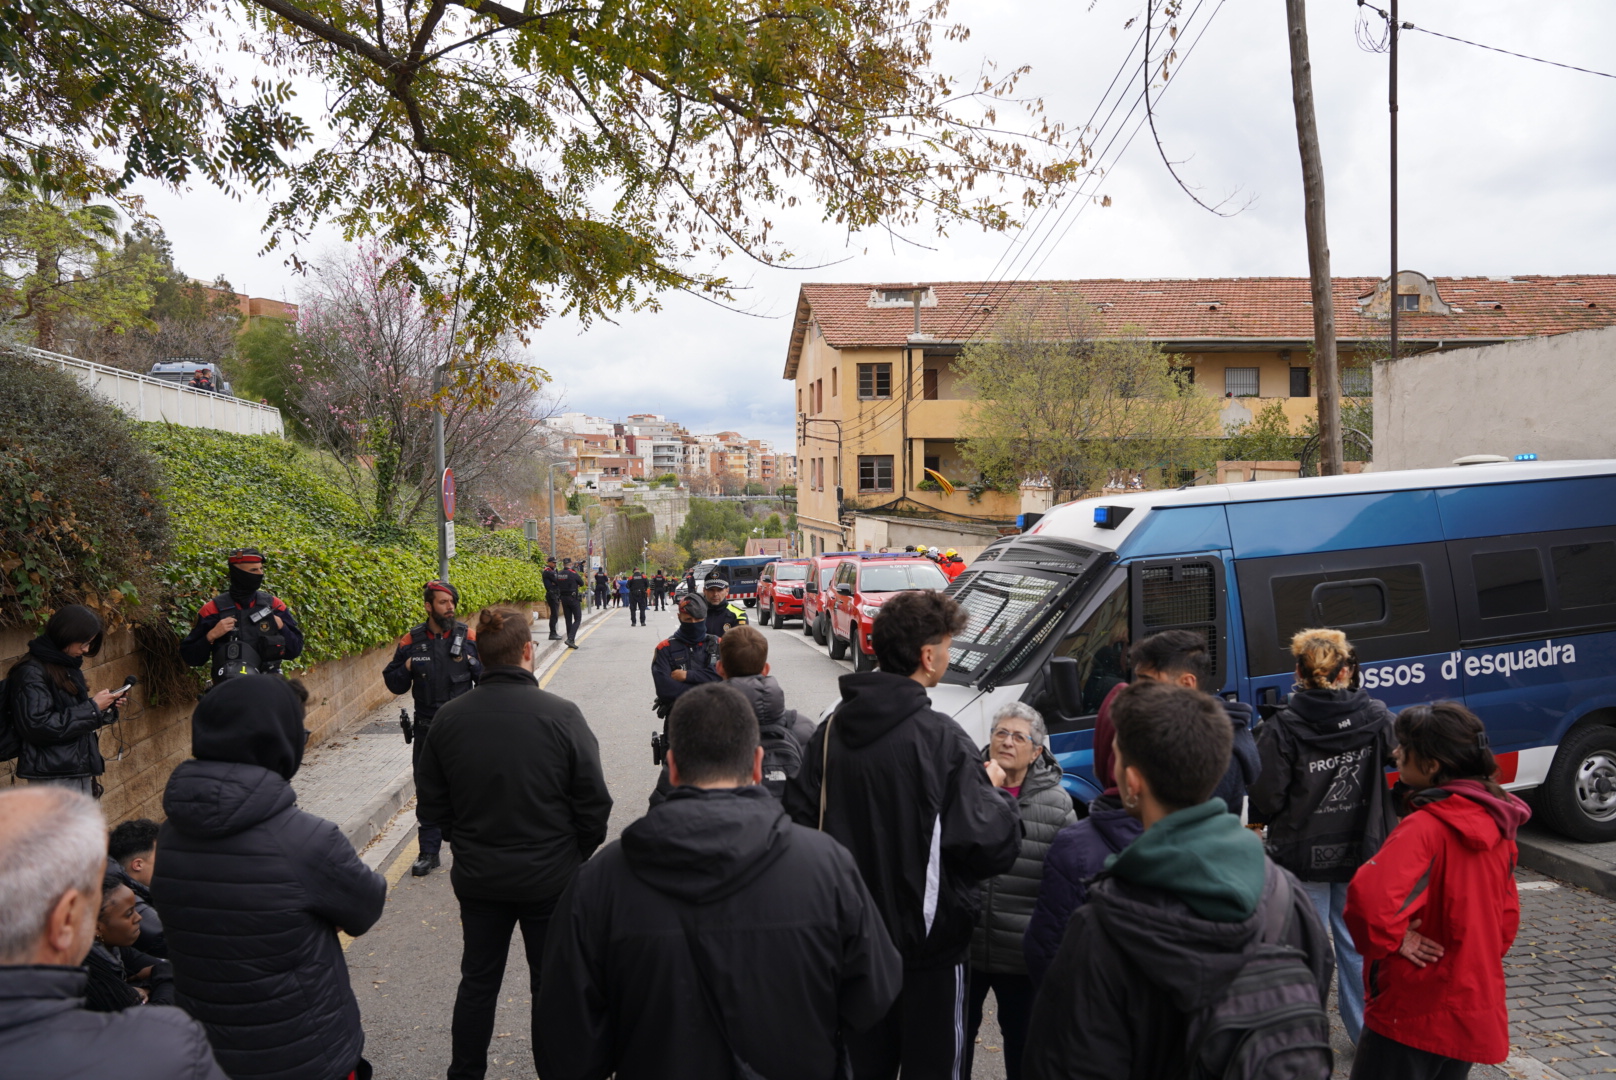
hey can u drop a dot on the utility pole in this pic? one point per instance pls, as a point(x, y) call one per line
point(1325, 367)
point(444, 524)
point(1391, 101)
point(549, 478)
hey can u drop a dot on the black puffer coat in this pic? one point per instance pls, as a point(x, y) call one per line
point(46, 1033)
point(253, 891)
point(58, 729)
point(1008, 900)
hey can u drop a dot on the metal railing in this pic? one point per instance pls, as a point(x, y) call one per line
point(146, 398)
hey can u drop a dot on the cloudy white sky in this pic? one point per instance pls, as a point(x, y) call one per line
point(1507, 167)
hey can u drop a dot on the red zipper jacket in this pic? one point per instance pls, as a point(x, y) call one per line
point(1450, 864)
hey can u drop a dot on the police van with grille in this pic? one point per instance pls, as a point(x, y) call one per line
point(1493, 585)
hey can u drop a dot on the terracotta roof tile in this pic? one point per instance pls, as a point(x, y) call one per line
point(1209, 309)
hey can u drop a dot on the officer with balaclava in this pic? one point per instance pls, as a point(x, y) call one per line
point(437, 661)
point(245, 631)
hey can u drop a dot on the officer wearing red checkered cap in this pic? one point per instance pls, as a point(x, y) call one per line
point(244, 631)
point(436, 661)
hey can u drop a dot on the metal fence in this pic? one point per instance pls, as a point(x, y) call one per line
point(146, 398)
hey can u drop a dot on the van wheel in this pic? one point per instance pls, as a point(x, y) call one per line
point(763, 616)
point(1578, 799)
point(862, 661)
point(838, 647)
point(807, 627)
point(819, 632)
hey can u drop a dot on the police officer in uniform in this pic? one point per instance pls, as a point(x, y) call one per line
point(639, 591)
point(659, 590)
point(552, 599)
point(244, 631)
point(602, 588)
point(569, 587)
point(437, 661)
point(722, 613)
point(688, 658)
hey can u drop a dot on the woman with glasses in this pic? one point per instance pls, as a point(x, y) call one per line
point(1018, 745)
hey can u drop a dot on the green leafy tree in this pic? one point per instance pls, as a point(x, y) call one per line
point(710, 519)
point(714, 549)
point(61, 260)
point(1265, 437)
point(774, 528)
point(271, 364)
point(667, 555)
point(1058, 399)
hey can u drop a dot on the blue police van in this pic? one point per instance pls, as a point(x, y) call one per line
point(1493, 585)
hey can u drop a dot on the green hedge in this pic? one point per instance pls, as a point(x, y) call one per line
point(229, 491)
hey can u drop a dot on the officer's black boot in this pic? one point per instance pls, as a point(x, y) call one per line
point(425, 865)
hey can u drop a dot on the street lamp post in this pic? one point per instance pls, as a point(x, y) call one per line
point(444, 525)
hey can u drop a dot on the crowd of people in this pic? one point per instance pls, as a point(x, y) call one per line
point(799, 899)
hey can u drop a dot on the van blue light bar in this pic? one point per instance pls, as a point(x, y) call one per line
point(1525, 457)
point(1109, 517)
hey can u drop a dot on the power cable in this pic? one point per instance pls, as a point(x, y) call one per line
point(1386, 15)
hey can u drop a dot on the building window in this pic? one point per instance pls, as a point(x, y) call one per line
point(799, 399)
point(928, 384)
point(875, 380)
point(1408, 301)
point(1301, 382)
point(1357, 381)
point(833, 381)
point(875, 473)
point(1240, 382)
point(1184, 375)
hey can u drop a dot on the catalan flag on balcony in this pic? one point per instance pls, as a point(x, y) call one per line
point(942, 481)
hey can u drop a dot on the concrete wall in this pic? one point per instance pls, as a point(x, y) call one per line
point(1551, 396)
point(155, 739)
point(872, 533)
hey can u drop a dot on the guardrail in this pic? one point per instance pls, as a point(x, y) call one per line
point(146, 398)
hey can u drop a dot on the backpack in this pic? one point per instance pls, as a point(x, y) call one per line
point(1269, 1024)
point(782, 754)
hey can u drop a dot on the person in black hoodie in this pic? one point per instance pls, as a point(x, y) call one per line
point(1323, 792)
point(714, 932)
point(927, 821)
point(54, 712)
point(253, 891)
point(1175, 917)
point(513, 775)
point(743, 662)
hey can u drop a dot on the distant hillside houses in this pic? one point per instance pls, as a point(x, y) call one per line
point(645, 446)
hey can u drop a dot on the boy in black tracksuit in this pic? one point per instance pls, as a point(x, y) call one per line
point(910, 797)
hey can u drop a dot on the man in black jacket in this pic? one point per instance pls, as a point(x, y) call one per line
point(570, 586)
point(639, 595)
point(52, 857)
point(513, 775)
point(714, 932)
point(552, 594)
point(253, 891)
point(243, 630)
point(913, 801)
point(132, 855)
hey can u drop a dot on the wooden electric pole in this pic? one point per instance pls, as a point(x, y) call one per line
point(1326, 373)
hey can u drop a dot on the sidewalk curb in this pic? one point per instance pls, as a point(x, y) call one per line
point(1567, 860)
point(369, 823)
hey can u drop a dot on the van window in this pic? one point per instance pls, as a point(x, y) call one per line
point(997, 606)
point(1585, 574)
point(1391, 602)
point(1100, 647)
point(1509, 583)
point(1378, 601)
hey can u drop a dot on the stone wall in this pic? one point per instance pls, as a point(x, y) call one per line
point(143, 748)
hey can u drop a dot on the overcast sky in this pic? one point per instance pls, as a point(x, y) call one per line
point(1506, 168)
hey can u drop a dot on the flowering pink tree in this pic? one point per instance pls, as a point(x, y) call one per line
point(371, 371)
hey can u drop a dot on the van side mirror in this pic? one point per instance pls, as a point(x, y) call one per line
point(1066, 680)
point(812, 586)
point(844, 588)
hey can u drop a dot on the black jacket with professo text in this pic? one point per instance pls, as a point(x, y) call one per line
point(1322, 787)
point(46, 1033)
point(714, 887)
point(907, 794)
point(253, 891)
point(512, 774)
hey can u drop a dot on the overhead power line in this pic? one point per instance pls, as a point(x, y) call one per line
point(1478, 45)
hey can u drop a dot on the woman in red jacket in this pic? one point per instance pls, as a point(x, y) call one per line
point(1434, 912)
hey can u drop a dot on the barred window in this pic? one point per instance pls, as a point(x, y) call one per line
point(1240, 381)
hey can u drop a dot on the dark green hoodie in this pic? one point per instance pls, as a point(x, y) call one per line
point(1202, 855)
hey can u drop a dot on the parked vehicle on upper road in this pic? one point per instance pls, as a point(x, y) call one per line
point(858, 589)
point(780, 591)
point(1492, 585)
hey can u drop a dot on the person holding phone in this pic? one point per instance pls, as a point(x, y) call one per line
point(52, 708)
